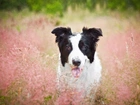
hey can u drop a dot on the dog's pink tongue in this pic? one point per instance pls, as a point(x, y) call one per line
point(76, 72)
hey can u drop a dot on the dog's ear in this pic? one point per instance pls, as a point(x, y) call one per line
point(93, 32)
point(61, 32)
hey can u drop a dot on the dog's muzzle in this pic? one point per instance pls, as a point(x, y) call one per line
point(76, 70)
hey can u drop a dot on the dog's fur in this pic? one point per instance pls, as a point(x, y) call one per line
point(79, 65)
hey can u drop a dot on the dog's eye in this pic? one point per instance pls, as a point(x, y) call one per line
point(85, 47)
point(68, 47)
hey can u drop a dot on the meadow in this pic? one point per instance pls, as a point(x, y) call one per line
point(29, 57)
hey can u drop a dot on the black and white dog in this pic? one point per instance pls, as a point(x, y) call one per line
point(79, 65)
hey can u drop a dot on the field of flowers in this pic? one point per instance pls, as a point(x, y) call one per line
point(28, 58)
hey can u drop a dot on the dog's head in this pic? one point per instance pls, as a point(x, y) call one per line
point(77, 48)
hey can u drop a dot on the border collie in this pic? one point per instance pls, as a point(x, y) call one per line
point(79, 65)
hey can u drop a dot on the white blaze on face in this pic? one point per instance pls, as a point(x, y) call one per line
point(76, 53)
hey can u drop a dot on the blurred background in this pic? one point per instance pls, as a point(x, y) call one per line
point(29, 54)
point(60, 6)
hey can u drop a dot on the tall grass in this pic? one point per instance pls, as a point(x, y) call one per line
point(120, 57)
point(28, 59)
point(26, 72)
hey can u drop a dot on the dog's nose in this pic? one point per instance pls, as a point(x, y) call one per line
point(76, 62)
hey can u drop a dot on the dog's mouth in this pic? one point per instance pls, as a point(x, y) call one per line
point(76, 71)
